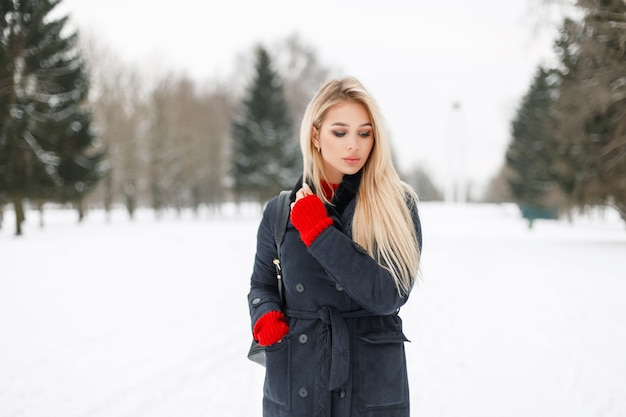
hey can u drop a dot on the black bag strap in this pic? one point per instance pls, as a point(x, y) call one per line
point(282, 217)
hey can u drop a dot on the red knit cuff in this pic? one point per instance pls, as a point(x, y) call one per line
point(310, 218)
point(315, 231)
point(270, 328)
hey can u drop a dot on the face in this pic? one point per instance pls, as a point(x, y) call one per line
point(345, 139)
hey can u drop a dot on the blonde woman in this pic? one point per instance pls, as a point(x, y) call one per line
point(349, 258)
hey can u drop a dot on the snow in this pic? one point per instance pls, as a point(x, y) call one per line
point(149, 318)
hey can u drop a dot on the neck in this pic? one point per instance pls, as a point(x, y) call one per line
point(329, 189)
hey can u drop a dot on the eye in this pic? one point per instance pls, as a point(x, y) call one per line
point(339, 134)
point(365, 134)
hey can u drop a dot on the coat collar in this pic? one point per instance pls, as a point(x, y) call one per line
point(345, 193)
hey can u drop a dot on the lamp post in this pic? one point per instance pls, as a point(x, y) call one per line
point(456, 187)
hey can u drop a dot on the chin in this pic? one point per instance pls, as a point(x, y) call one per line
point(351, 171)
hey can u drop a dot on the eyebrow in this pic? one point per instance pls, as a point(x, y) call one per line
point(347, 125)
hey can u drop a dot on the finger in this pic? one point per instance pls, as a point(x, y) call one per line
point(300, 194)
point(306, 189)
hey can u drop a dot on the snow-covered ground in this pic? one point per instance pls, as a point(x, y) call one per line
point(149, 318)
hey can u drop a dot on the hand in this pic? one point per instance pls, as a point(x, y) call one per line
point(301, 193)
point(309, 216)
point(270, 328)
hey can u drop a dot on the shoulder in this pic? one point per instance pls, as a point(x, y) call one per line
point(278, 202)
point(283, 197)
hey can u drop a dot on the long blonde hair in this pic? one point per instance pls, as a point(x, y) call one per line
point(382, 222)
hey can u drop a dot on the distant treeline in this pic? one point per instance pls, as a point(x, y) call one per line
point(80, 127)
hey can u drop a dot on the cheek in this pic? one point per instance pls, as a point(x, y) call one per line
point(330, 147)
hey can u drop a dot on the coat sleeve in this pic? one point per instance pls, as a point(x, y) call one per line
point(263, 296)
point(364, 280)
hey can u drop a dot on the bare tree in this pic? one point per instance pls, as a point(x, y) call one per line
point(119, 109)
point(302, 72)
point(169, 140)
point(211, 166)
point(189, 140)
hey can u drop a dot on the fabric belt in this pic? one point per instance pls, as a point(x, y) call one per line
point(333, 352)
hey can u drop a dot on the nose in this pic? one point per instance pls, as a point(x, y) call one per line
point(353, 143)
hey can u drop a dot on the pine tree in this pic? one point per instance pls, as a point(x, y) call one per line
point(531, 155)
point(265, 152)
point(47, 148)
point(591, 109)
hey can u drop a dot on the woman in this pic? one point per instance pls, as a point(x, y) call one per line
point(350, 257)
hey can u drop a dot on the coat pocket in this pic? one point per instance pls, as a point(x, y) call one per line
point(277, 385)
point(382, 374)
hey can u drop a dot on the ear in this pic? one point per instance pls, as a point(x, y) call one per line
point(315, 137)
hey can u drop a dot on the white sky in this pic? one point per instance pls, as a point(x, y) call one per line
point(416, 58)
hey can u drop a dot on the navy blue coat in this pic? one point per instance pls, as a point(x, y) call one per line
point(344, 353)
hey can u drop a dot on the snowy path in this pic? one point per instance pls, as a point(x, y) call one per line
point(150, 318)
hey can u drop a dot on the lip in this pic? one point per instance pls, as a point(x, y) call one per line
point(352, 160)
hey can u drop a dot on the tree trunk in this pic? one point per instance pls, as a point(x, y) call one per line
point(621, 209)
point(130, 196)
point(40, 209)
point(80, 207)
point(108, 196)
point(19, 215)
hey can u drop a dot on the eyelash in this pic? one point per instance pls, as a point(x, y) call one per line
point(361, 134)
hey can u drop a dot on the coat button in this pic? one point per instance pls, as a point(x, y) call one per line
point(302, 392)
point(256, 301)
point(303, 338)
point(342, 393)
point(339, 287)
point(300, 288)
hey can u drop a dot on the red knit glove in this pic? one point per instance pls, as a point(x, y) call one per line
point(310, 218)
point(270, 328)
